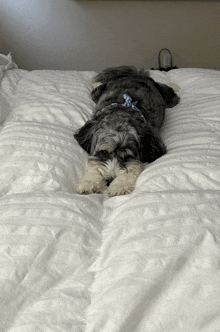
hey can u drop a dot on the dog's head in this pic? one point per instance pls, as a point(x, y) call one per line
point(120, 137)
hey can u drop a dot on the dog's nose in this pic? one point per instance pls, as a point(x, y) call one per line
point(105, 153)
point(109, 180)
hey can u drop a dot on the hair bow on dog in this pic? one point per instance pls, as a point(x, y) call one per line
point(128, 103)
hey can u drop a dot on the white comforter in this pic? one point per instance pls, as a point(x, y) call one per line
point(145, 262)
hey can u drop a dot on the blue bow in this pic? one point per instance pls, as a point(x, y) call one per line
point(127, 103)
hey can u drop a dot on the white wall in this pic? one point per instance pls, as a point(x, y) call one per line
point(92, 35)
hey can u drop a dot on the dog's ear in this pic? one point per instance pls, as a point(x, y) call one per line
point(151, 147)
point(98, 91)
point(168, 94)
point(84, 135)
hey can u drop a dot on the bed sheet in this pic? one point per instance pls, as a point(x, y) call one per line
point(145, 262)
point(47, 243)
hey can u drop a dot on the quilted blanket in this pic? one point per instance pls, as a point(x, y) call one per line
point(144, 262)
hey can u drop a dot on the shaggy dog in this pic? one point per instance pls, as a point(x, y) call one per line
point(124, 130)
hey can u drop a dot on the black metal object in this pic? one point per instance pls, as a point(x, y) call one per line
point(159, 62)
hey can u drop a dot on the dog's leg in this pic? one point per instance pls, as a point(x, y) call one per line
point(125, 182)
point(93, 180)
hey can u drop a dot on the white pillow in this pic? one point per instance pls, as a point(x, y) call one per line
point(37, 149)
point(191, 80)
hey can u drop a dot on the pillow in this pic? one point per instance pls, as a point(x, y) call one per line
point(191, 80)
point(37, 149)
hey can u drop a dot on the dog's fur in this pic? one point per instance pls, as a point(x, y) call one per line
point(117, 138)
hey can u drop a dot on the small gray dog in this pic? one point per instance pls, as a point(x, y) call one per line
point(124, 130)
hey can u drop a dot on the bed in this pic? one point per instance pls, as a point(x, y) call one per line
point(144, 262)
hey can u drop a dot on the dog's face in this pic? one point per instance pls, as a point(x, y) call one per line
point(119, 137)
point(114, 149)
point(112, 144)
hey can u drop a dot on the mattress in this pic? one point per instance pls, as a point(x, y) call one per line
point(144, 262)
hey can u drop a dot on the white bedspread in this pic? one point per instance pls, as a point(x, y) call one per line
point(145, 262)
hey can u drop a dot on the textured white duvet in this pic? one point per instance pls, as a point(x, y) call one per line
point(145, 262)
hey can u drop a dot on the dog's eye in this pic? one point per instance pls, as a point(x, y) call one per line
point(126, 158)
point(103, 154)
point(124, 155)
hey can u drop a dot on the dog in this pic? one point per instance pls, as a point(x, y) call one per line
point(124, 130)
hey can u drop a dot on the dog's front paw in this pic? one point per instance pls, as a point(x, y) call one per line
point(122, 185)
point(91, 187)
